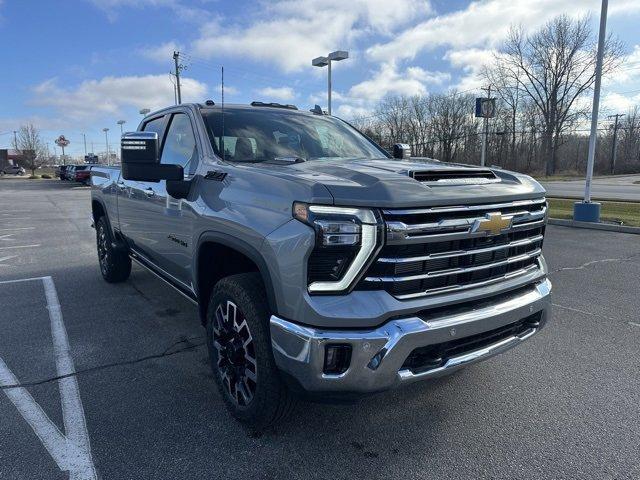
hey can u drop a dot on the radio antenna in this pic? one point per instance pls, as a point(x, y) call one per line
point(222, 137)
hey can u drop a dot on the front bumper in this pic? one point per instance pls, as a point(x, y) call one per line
point(378, 355)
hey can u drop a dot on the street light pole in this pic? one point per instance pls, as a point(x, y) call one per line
point(121, 123)
point(106, 139)
point(326, 62)
point(329, 86)
point(587, 211)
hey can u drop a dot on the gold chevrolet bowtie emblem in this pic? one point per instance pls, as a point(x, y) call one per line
point(493, 223)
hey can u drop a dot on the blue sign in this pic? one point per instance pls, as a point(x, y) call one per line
point(485, 107)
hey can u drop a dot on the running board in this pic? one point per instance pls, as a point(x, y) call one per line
point(143, 262)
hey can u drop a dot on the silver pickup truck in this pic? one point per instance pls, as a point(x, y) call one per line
point(321, 265)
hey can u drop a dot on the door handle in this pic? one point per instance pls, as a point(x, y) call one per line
point(149, 192)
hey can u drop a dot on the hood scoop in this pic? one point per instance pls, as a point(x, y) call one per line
point(455, 176)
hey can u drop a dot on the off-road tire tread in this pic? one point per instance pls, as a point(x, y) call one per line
point(272, 401)
point(119, 263)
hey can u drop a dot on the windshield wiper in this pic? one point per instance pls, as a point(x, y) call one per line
point(289, 160)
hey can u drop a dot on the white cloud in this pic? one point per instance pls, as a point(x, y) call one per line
point(389, 81)
point(471, 61)
point(484, 23)
point(362, 97)
point(180, 9)
point(292, 32)
point(162, 53)
point(277, 93)
point(93, 99)
point(619, 103)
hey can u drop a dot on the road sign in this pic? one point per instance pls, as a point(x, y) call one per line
point(485, 107)
point(62, 142)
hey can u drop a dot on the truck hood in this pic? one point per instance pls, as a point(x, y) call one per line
point(392, 183)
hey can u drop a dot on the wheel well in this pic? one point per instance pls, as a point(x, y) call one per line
point(216, 261)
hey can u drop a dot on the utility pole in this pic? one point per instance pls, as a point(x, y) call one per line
point(84, 138)
point(614, 148)
point(176, 57)
point(15, 140)
point(485, 132)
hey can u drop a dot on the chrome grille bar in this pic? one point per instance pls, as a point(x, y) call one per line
point(462, 253)
point(454, 271)
point(462, 225)
point(457, 288)
point(401, 237)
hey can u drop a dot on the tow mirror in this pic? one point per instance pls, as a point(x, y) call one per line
point(140, 161)
point(401, 150)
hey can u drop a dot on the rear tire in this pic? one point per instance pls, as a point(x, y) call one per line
point(115, 264)
point(240, 352)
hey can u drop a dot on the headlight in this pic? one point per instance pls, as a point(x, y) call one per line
point(345, 241)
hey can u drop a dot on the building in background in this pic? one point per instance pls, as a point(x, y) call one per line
point(9, 156)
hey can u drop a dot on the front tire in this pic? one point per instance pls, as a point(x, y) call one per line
point(240, 352)
point(115, 265)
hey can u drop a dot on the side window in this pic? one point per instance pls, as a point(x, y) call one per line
point(180, 143)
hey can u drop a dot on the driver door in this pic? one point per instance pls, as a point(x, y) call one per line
point(170, 221)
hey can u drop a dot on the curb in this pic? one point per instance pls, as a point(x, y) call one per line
point(595, 199)
point(594, 226)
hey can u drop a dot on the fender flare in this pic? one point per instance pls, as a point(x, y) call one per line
point(106, 213)
point(244, 248)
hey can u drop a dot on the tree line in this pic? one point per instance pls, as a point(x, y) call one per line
point(542, 83)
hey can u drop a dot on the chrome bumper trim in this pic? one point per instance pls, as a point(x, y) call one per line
point(379, 354)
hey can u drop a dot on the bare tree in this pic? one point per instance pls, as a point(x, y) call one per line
point(554, 67)
point(450, 116)
point(629, 146)
point(31, 147)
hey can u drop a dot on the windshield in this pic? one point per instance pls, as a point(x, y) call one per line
point(252, 135)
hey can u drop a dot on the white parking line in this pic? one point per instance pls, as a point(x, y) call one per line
point(71, 450)
point(4, 259)
point(17, 228)
point(20, 246)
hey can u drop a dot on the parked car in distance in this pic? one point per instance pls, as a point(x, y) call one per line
point(13, 170)
point(322, 265)
point(59, 171)
point(69, 172)
point(82, 174)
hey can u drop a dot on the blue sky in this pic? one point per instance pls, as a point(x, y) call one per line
point(74, 67)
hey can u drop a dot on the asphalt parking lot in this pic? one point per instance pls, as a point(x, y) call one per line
point(143, 404)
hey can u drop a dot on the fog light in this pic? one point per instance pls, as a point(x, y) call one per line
point(336, 359)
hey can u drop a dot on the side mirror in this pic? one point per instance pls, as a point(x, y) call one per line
point(401, 150)
point(140, 161)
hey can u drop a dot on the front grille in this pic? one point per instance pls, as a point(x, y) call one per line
point(444, 249)
point(433, 356)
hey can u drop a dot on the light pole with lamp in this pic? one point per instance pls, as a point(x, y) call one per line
point(144, 111)
point(326, 62)
point(106, 139)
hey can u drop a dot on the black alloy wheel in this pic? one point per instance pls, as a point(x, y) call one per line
point(236, 356)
